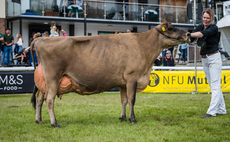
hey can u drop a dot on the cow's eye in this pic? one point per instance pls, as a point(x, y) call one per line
point(170, 28)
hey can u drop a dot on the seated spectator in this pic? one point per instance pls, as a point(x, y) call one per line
point(168, 60)
point(21, 57)
point(76, 4)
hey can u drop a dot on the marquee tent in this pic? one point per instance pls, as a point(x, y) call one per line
point(224, 28)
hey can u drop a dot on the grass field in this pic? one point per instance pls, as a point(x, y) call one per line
point(160, 117)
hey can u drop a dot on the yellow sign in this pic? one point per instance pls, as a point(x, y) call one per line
point(183, 81)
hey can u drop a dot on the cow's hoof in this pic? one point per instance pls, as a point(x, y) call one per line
point(39, 122)
point(134, 122)
point(123, 119)
point(52, 125)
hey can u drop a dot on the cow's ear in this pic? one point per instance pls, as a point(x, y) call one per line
point(163, 21)
point(164, 27)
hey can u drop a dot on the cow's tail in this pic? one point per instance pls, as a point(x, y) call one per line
point(33, 97)
point(31, 52)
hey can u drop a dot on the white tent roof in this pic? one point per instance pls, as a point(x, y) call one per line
point(224, 22)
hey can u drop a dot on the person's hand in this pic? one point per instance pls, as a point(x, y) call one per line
point(26, 50)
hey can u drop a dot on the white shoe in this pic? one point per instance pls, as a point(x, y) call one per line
point(181, 62)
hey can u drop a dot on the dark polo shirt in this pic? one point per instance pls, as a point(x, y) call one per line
point(8, 39)
point(212, 36)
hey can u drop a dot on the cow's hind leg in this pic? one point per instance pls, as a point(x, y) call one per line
point(51, 91)
point(39, 103)
point(124, 101)
point(131, 93)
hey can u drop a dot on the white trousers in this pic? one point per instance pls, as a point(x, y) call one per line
point(212, 67)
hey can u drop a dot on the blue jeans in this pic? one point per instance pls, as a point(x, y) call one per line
point(7, 52)
point(183, 54)
point(33, 64)
point(163, 54)
point(20, 48)
point(2, 58)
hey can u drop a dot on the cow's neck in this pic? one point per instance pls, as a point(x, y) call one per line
point(152, 44)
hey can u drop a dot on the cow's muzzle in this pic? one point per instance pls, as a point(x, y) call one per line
point(187, 36)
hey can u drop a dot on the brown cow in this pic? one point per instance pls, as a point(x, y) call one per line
point(95, 64)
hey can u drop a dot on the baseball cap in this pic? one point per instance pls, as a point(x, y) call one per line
point(168, 52)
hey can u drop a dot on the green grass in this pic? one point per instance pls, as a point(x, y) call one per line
point(160, 117)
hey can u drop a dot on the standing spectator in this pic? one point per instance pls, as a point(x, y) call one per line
point(128, 31)
point(53, 29)
point(63, 33)
point(37, 35)
point(1, 48)
point(19, 42)
point(9, 41)
point(157, 62)
point(184, 53)
point(168, 60)
point(207, 34)
point(175, 51)
point(32, 38)
point(46, 34)
point(171, 50)
point(163, 53)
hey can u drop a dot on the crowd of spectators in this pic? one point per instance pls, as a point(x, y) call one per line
point(15, 53)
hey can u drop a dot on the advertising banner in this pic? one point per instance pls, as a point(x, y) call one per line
point(183, 81)
point(16, 82)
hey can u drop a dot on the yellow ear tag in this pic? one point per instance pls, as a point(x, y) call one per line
point(163, 29)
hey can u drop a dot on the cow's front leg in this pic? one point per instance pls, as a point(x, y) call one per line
point(131, 93)
point(50, 105)
point(124, 101)
point(39, 103)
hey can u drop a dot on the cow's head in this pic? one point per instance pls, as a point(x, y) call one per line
point(172, 36)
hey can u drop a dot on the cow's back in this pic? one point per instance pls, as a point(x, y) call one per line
point(97, 62)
